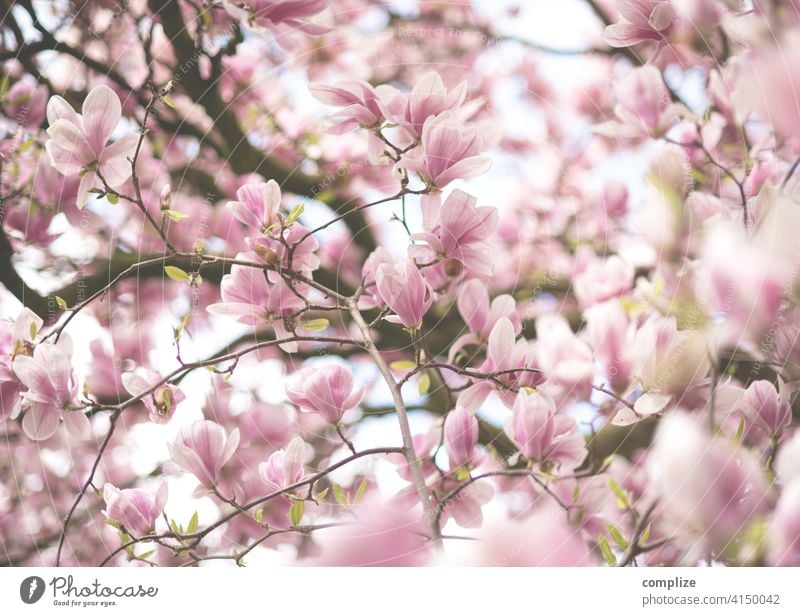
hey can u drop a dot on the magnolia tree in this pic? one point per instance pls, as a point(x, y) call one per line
point(400, 283)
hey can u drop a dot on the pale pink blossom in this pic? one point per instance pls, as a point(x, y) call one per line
point(78, 143)
point(161, 399)
point(544, 435)
point(563, 357)
point(202, 448)
point(783, 533)
point(358, 101)
point(136, 510)
point(480, 315)
point(460, 436)
point(458, 233)
point(710, 489)
point(257, 205)
point(403, 289)
point(767, 407)
point(327, 390)
point(449, 151)
point(429, 97)
point(52, 391)
point(644, 107)
point(285, 466)
point(642, 20)
point(25, 103)
point(603, 280)
point(278, 16)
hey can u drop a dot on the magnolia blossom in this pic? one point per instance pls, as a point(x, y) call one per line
point(78, 143)
point(162, 399)
point(203, 448)
point(460, 436)
point(480, 315)
point(513, 361)
point(358, 100)
point(257, 206)
point(644, 106)
point(284, 467)
point(327, 390)
point(603, 280)
point(429, 97)
point(135, 509)
point(52, 391)
point(767, 408)
point(459, 233)
point(610, 334)
point(642, 20)
point(449, 151)
point(279, 16)
point(403, 289)
point(784, 529)
point(248, 297)
point(710, 489)
point(542, 434)
point(25, 103)
point(564, 357)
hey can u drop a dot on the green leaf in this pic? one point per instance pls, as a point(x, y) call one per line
point(576, 492)
point(169, 102)
point(617, 536)
point(176, 273)
point(296, 512)
point(340, 495)
point(33, 330)
point(462, 473)
point(199, 245)
point(114, 524)
point(321, 495)
point(424, 383)
point(362, 487)
point(645, 536)
point(258, 515)
point(62, 303)
point(623, 500)
point(25, 145)
point(175, 215)
point(608, 554)
point(146, 555)
point(193, 522)
point(315, 325)
point(295, 214)
point(403, 365)
point(112, 198)
point(739, 431)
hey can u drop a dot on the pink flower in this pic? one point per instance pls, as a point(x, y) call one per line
point(513, 362)
point(610, 335)
point(564, 357)
point(15, 339)
point(767, 408)
point(709, 488)
point(543, 435)
point(284, 467)
point(78, 143)
point(249, 298)
point(327, 390)
point(136, 510)
point(358, 100)
point(481, 316)
point(603, 280)
point(784, 529)
point(257, 206)
point(644, 107)
point(161, 401)
point(542, 540)
point(369, 272)
point(429, 97)
point(459, 233)
point(450, 151)
point(642, 20)
point(52, 391)
point(404, 290)
point(279, 16)
point(202, 449)
point(25, 103)
point(460, 436)
point(293, 241)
